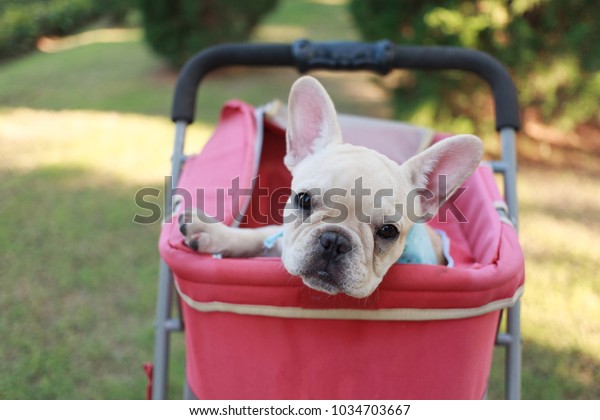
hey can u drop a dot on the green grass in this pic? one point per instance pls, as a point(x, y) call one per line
point(318, 20)
point(122, 77)
point(78, 276)
point(83, 129)
point(559, 229)
point(69, 332)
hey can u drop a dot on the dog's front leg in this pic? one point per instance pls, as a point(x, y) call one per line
point(207, 235)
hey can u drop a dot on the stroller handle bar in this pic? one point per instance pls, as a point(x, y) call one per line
point(380, 57)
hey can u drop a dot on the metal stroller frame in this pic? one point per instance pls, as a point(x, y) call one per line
point(380, 57)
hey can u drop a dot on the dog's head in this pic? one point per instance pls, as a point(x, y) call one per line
point(351, 207)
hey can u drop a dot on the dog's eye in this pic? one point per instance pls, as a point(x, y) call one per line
point(303, 200)
point(388, 232)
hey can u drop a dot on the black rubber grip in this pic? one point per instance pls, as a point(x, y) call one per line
point(380, 57)
point(377, 57)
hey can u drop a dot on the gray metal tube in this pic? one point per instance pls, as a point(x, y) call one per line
point(177, 159)
point(164, 324)
point(513, 353)
point(513, 324)
point(509, 157)
point(162, 337)
point(188, 394)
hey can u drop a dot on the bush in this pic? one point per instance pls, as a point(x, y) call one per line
point(177, 29)
point(24, 21)
point(552, 49)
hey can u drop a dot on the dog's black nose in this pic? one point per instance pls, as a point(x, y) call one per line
point(334, 244)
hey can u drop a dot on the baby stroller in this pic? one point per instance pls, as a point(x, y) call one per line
point(252, 331)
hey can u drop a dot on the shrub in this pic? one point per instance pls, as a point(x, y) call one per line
point(551, 47)
point(24, 21)
point(177, 29)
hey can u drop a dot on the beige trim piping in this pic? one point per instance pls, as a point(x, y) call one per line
point(386, 314)
point(502, 209)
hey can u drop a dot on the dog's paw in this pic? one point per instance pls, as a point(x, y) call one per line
point(203, 233)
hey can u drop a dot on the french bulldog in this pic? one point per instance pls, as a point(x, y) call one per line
point(351, 209)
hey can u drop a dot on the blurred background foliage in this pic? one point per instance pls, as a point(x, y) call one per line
point(23, 22)
point(552, 48)
point(177, 29)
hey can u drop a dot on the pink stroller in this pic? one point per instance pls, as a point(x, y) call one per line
point(252, 331)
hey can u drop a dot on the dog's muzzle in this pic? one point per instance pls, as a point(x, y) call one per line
point(326, 267)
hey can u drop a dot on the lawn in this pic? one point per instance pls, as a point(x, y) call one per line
point(82, 129)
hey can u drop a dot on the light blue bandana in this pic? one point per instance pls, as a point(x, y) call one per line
point(419, 249)
point(272, 240)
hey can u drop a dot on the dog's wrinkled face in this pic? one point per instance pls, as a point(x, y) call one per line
point(337, 237)
point(351, 208)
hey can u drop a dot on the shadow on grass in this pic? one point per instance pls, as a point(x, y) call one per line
point(78, 281)
point(128, 78)
point(559, 374)
point(550, 374)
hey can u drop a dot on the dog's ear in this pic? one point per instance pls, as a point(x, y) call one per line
point(312, 121)
point(438, 171)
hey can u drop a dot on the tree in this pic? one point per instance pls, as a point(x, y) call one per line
point(177, 29)
point(552, 48)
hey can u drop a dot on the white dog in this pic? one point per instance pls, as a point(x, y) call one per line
point(352, 212)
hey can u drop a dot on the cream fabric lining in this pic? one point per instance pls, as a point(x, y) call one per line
point(386, 314)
